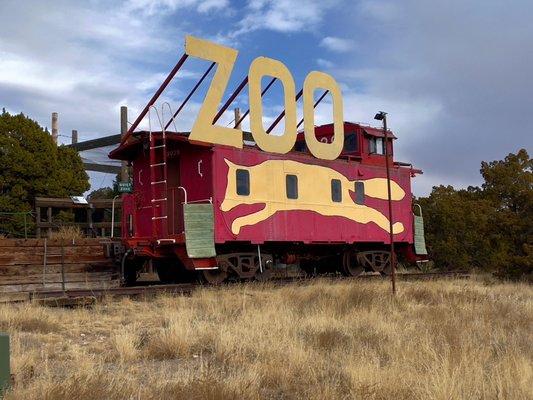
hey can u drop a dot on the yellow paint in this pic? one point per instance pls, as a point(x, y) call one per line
point(263, 66)
point(325, 151)
point(267, 186)
point(203, 129)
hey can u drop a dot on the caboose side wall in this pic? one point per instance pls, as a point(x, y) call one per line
point(305, 220)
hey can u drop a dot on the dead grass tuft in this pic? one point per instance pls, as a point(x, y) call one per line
point(435, 340)
point(27, 318)
point(67, 233)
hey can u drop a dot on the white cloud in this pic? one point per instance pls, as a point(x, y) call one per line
point(326, 64)
point(336, 44)
point(283, 15)
point(153, 7)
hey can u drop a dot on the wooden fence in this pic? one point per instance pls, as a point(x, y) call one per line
point(91, 224)
point(28, 265)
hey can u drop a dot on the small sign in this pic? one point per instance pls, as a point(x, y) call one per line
point(79, 200)
point(125, 187)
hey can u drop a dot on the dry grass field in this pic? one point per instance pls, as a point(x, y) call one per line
point(449, 339)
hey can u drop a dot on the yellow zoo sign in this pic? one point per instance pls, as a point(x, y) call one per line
point(203, 129)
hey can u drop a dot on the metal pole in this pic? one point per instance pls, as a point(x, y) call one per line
point(113, 215)
point(314, 106)
point(155, 97)
point(262, 94)
point(391, 234)
point(276, 121)
point(231, 98)
point(189, 95)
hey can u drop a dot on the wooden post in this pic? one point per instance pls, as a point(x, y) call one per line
point(237, 112)
point(74, 136)
point(55, 127)
point(63, 266)
point(49, 215)
point(37, 222)
point(124, 173)
point(90, 220)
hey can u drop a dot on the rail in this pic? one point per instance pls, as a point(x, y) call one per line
point(153, 288)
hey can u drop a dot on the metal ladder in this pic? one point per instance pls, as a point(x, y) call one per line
point(158, 176)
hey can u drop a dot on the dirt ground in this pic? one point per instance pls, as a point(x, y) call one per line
point(446, 339)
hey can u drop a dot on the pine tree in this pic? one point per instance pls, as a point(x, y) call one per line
point(33, 166)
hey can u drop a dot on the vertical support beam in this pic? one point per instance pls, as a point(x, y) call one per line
point(63, 266)
point(37, 222)
point(5, 370)
point(124, 173)
point(49, 215)
point(74, 136)
point(382, 116)
point(55, 127)
point(90, 220)
point(237, 112)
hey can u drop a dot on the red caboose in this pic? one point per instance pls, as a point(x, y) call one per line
point(245, 213)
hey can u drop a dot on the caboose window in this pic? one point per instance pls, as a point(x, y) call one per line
point(336, 193)
point(243, 182)
point(350, 142)
point(291, 185)
point(376, 146)
point(359, 193)
point(300, 146)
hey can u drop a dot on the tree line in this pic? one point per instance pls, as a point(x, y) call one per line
point(488, 227)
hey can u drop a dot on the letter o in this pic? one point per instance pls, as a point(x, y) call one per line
point(325, 151)
point(263, 66)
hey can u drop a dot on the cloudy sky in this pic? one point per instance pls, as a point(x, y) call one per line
point(455, 76)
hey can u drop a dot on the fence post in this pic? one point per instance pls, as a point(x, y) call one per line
point(5, 372)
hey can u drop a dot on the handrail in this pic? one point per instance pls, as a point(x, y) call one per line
point(184, 192)
point(210, 200)
point(164, 128)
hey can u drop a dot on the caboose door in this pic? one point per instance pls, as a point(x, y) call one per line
point(175, 195)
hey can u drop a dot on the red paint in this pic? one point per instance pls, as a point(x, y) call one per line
point(208, 180)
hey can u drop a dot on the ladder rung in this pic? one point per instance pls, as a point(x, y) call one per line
point(154, 200)
point(158, 147)
point(158, 164)
point(164, 217)
point(158, 182)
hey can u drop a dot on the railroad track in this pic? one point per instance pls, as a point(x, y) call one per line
point(146, 289)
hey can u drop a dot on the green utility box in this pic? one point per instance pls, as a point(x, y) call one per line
point(5, 372)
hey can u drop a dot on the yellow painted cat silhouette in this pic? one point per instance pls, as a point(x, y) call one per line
point(267, 186)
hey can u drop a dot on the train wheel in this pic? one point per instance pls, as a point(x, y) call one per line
point(266, 267)
point(387, 269)
point(350, 265)
point(132, 267)
point(379, 261)
point(215, 276)
point(167, 270)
